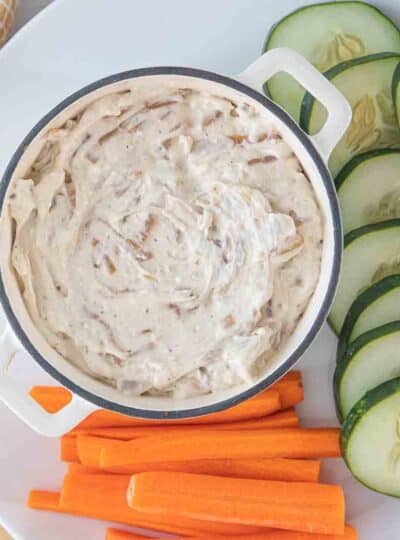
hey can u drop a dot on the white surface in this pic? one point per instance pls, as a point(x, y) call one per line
point(68, 45)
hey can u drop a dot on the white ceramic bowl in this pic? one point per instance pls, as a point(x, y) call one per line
point(313, 152)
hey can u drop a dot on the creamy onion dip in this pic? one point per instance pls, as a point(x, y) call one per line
point(166, 240)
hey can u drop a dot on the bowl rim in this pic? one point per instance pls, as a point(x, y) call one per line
point(323, 311)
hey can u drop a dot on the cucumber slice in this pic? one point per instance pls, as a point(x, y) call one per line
point(378, 305)
point(366, 82)
point(368, 188)
point(370, 439)
point(327, 34)
point(396, 93)
point(370, 360)
point(370, 253)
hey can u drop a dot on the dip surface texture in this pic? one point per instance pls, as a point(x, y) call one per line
point(166, 241)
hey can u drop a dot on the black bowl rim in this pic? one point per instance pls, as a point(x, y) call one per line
point(333, 279)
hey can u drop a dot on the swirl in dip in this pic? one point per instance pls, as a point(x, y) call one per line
point(166, 240)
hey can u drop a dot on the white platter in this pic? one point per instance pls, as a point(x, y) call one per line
point(68, 45)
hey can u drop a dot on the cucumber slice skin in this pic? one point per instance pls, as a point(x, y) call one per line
point(309, 100)
point(351, 355)
point(372, 400)
point(396, 93)
point(372, 227)
point(354, 175)
point(349, 238)
point(359, 159)
point(363, 301)
point(342, 154)
point(389, 29)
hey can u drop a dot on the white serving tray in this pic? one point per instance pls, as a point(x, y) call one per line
point(66, 46)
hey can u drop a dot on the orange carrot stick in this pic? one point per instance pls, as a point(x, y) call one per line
point(69, 449)
point(293, 506)
point(89, 449)
point(266, 403)
point(290, 392)
point(47, 500)
point(349, 534)
point(78, 468)
point(44, 500)
point(104, 497)
point(51, 501)
point(272, 443)
point(116, 534)
point(291, 470)
point(287, 418)
point(53, 399)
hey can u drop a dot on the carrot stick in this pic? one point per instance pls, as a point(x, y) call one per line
point(349, 534)
point(291, 470)
point(69, 449)
point(287, 418)
point(104, 497)
point(47, 500)
point(294, 375)
point(116, 534)
point(290, 392)
point(89, 449)
point(272, 443)
point(78, 468)
point(302, 507)
point(54, 398)
point(44, 500)
point(88, 456)
point(266, 403)
point(51, 398)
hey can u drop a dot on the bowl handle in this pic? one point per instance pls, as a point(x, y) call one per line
point(291, 62)
point(26, 408)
